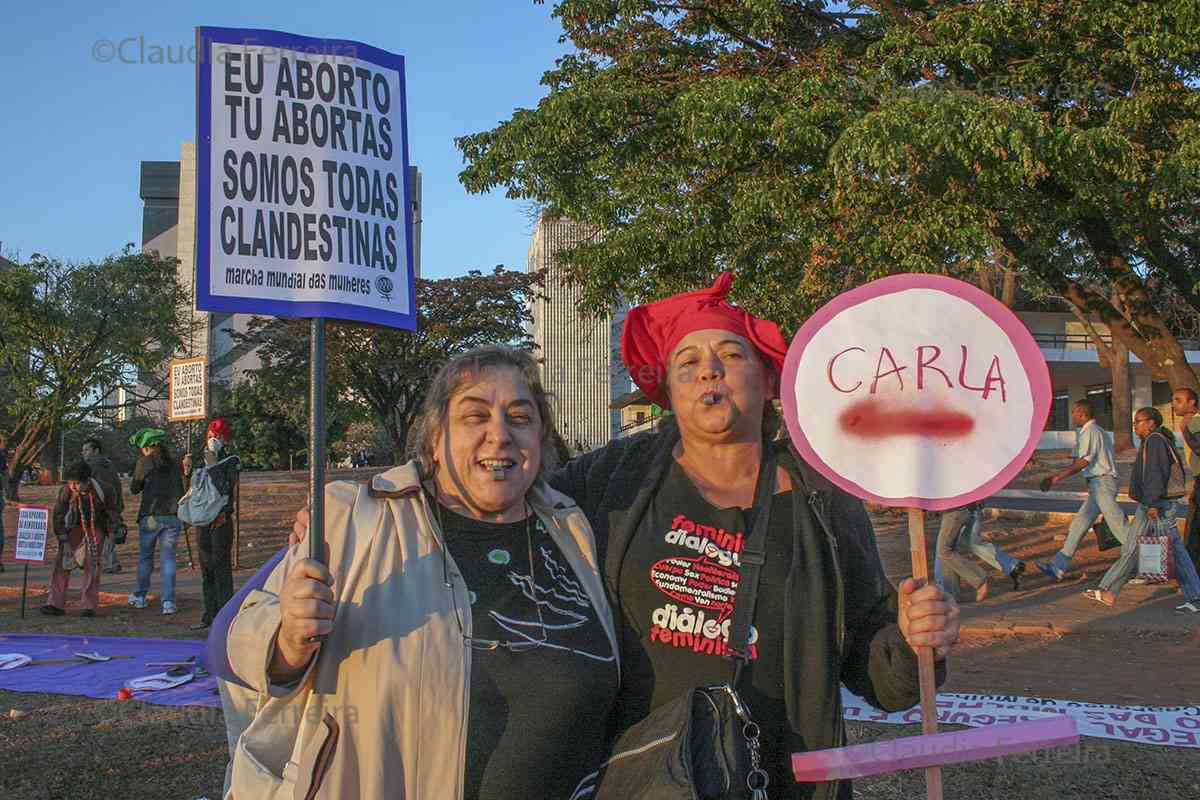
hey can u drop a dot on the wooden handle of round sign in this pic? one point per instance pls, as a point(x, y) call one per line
point(920, 571)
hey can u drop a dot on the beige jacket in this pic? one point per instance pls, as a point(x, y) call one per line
point(382, 710)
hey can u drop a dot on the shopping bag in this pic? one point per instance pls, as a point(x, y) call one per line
point(1155, 562)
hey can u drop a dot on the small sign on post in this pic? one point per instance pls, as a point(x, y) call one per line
point(918, 392)
point(188, 390)
point(33, 527)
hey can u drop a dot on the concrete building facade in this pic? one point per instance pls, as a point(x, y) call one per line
point(580, 360)
point(1076, 373)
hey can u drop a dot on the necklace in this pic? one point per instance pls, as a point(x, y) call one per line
point(475, 643)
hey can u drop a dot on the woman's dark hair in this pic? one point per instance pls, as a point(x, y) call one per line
point(462, 370)
point(1154, 415)
point(79, 471)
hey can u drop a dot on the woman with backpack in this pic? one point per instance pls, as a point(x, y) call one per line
point(215, 538)
point(158, 479)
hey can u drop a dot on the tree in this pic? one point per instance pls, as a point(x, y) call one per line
point(70, 335)
point(268, 426)
point(386, 371)
point(812, 151)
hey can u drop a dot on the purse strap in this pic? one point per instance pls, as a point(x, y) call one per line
point(751, 562)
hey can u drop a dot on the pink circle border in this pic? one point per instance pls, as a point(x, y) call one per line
point(1028, 352)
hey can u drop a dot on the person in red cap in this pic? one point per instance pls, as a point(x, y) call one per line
point(680, 525)
point(215, 540)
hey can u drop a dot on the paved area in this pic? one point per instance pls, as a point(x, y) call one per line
point(1042, 606)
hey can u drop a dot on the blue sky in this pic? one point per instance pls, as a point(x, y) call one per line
point(75, 127)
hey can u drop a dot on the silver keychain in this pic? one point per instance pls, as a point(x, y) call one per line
point(757, 780)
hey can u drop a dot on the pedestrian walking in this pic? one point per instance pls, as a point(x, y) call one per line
point(1151, 485)
point(1094, 458)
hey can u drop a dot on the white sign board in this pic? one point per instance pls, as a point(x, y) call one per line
point(916, 391)
point(188, 391)
point(303, 199)
point(33, 525)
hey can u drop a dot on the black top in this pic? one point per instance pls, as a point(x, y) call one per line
point(537, 719)
point(1150, 480)
point(678, 585)
point(843, 631)
point(160, 483)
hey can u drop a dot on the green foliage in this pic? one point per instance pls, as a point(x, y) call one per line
point(71, 334)
point(269, 428)
point(380, 373)
point(811, 151)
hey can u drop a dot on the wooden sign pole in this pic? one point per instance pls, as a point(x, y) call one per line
point(929, 724)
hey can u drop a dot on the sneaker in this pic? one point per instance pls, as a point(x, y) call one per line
point(1049, 570)
point(136, 601)
point(169, 608)
point(88, 612)
point(1189, 608)
point(52, 611)
point(1137, 582)
point(1017, 571)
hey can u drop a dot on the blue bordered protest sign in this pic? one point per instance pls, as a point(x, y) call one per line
point(303, 204)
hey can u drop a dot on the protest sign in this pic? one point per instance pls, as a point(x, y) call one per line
point(188, 390)
point(33, 524)
point(916, 391)
point(33, 527)
point(303, 197)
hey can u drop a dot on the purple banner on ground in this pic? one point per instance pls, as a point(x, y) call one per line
point(102, 680)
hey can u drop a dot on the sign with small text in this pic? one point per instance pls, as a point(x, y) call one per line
point(916, 391)
point(33, 526)
point(187, 395)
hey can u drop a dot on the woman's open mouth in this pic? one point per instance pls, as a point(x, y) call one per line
point(497, 467)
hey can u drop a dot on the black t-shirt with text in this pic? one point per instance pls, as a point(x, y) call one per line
point(537, 720)
point(677, 588)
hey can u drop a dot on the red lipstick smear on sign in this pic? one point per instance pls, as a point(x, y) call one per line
point(871, 419)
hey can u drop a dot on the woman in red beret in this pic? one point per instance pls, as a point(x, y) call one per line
point(215, 539)
point(674, 513)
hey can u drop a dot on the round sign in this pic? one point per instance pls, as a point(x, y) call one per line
point(916, 391)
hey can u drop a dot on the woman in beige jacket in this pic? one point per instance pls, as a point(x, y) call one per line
point(470, 650)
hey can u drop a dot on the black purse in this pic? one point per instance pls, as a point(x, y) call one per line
point(703, 745)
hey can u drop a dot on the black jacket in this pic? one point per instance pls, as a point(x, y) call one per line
point(160, 483)
point(1152, 471)
point(104, 471)
point(853, 638)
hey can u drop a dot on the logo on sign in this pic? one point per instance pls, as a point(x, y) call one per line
point(385, 287)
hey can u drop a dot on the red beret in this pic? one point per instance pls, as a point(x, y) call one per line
point(220, 427)
point(653, 330)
